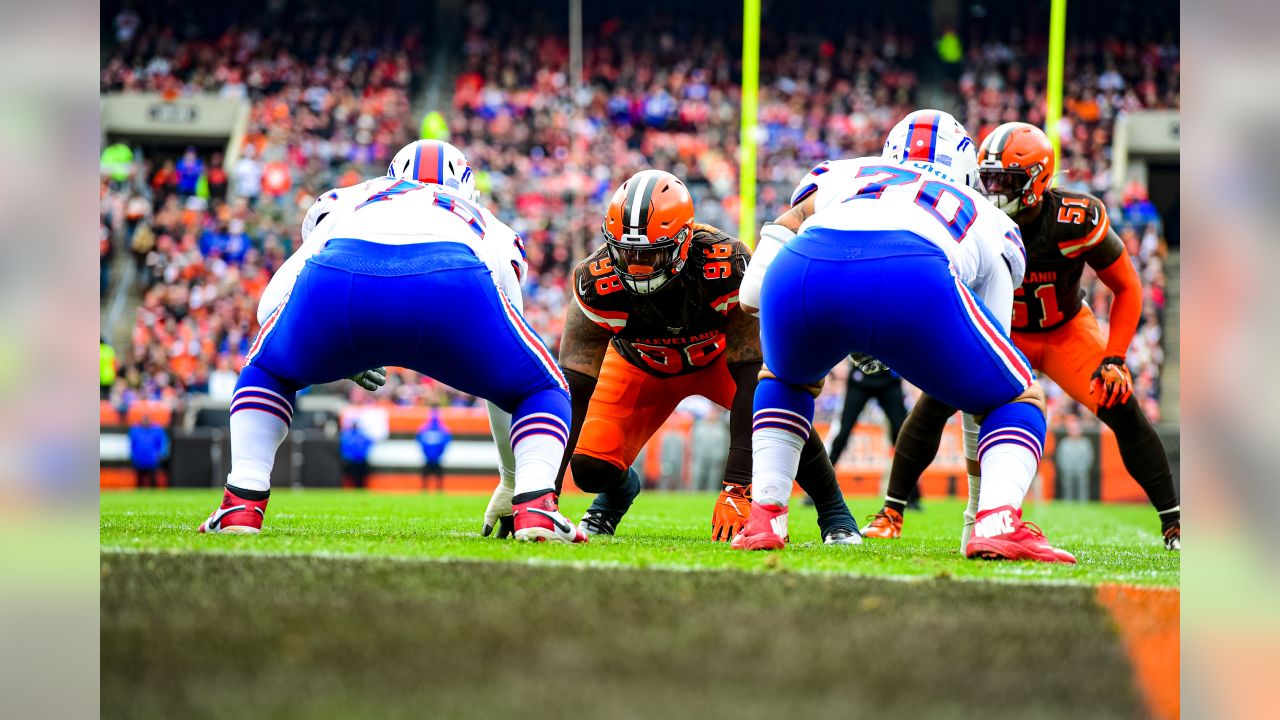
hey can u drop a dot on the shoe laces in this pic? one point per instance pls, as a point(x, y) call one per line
point(1034, 528)
point(872, 519)
point(600, 522)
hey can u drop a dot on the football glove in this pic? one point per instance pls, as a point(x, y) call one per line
point(371, 379)
point(1111, 383)
point(867, 364)
point(733, 507)
point(499, 514)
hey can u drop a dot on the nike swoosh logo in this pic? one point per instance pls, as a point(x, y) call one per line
point(562, 526)
point(216, 520)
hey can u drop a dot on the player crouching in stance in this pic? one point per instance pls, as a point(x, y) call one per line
point(1063, 231)
point(900, 258)
point(655, 319)
point(415, 275)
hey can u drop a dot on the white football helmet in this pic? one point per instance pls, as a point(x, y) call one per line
point(438, 163)
point(935, 137)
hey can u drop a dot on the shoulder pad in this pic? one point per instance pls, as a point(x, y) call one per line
point(710, 234)
point(809, 185)
point(1079, 221)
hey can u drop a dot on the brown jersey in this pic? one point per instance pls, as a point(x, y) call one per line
point(679, 328)
point(1071, 230)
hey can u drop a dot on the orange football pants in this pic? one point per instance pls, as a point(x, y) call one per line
point(1068, 354)
point(629, 405)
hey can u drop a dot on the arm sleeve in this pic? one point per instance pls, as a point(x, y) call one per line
point(772, 237)
point(500, 426)
point(737, 468)
point(581, 388)
point(1126, 309)
point(282, 282)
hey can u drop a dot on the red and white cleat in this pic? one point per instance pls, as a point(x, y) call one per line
point(236, 515)
point(1000, 534)
point(538, 519)
point(766, 529)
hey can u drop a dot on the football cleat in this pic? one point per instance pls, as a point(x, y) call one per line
point(236, 515)
point(1000, 534)
point(599, 522)
point(842, 536)
point(1173, 538)
point(766, 529)
point(538, 519)
point(884, 525)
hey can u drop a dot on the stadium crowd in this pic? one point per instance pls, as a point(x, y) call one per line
point(329, 107)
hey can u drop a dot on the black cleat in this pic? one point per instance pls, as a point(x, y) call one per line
point(1173, 538)
point(599, 522)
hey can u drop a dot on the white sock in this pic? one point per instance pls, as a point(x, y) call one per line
point(971, 510)
point(537, 462)
point(775, 457)
point(971, 430)
point(1007, 471)
point(255, 437)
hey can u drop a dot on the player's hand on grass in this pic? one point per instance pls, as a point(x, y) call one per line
point(371, 379)
point(1111, 383)
point(733, 507)
point(499, 514)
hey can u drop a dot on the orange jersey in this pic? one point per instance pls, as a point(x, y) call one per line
point(1071, 229)
point(680, 328)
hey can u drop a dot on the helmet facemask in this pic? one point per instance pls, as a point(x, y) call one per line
point(645, 266)
point(1009, 188)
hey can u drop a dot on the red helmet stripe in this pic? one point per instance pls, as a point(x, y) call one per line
point(922, 137)
point(430, 160)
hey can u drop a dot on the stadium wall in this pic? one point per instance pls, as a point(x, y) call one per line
point(310, 457)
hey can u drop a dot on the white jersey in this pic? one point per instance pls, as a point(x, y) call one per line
point(406, 212)
point(338, 201)
point(924, 199)
point(983, 244)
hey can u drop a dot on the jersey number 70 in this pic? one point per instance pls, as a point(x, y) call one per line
point(928, 197)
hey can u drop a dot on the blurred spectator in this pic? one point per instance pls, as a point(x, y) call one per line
point(354, 446)
point(148, 449)
point(106, 367)
point(1073, 461)
point(189, 170)
point(434, 438)
point(710, 449)
point(116, 163)
point(248, 174)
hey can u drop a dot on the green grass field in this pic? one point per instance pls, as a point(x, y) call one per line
point(376, 605)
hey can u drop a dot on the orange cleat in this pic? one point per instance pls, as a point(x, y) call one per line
point(885, 525)
point(1000, 534)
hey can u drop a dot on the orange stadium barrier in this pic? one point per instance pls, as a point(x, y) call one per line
point(109, 416)
point(861, 471)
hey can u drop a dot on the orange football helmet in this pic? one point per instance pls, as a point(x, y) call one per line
point(1015, 163)
point(648, 228)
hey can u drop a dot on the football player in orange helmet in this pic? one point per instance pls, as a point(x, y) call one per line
point(1063, 231)
point(655, 319)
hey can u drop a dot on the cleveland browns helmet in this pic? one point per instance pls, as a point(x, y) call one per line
point(648, 228)
point(1016, 165)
